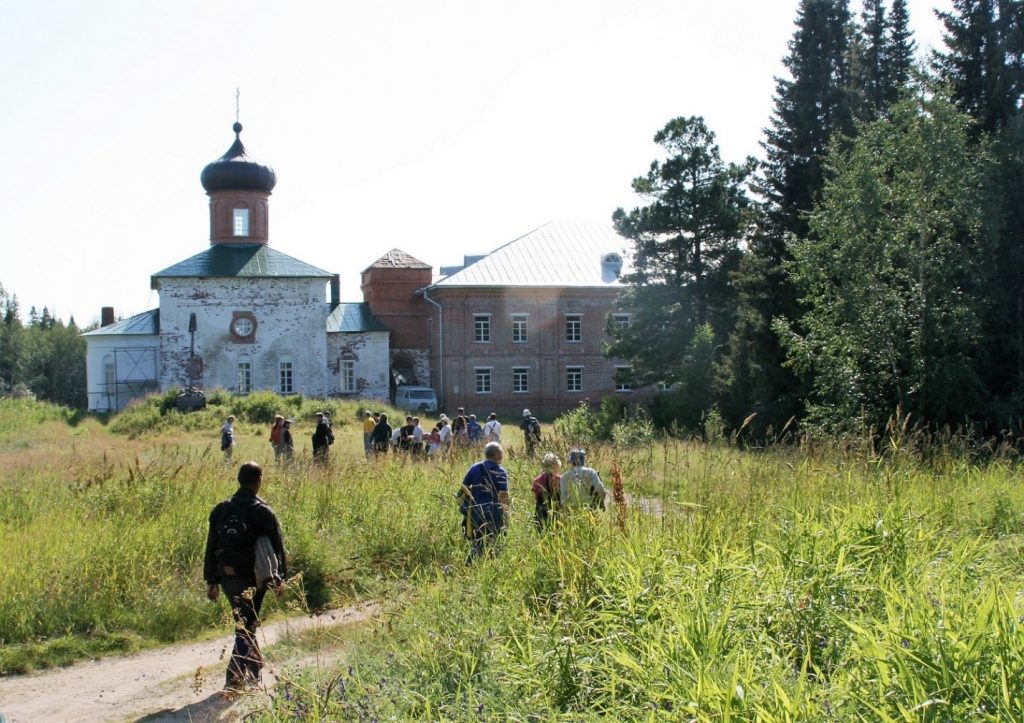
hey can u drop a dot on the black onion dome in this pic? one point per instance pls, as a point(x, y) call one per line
point(236, 171)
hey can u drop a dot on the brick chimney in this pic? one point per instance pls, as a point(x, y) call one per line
point(335, 290)
point(106, 316)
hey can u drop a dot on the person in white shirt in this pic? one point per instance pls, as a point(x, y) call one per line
point(492, 429)
point(227, 437)
point(580, 485)
point(417, 437)
point(446, 434)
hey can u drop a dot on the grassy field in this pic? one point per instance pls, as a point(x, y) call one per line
point(796, 583)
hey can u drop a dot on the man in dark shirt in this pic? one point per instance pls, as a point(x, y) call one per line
point(405, 436)
point(230, 565)
point(531, 432)
point(485, 500)
point(323, 438)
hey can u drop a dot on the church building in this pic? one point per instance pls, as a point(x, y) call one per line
point(240, 314)
point(524, 326)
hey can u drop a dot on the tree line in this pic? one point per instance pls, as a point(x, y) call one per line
point(44, 358)
point(871, 261)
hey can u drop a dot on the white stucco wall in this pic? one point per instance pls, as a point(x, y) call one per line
point(136, 361)
point(290, 317)
point(369, 351)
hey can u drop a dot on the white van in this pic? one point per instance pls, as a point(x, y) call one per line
point(415, 399)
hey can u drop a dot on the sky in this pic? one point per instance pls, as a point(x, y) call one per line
point(440, 128)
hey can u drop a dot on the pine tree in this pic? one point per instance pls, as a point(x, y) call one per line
point(881, 58)
point(899, 52)
point(869, 71)
point(686, 242)
point(983, 62)
point(812, 106)
point(983, 66)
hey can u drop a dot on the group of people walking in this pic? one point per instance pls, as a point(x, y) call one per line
point(380, 437)
point(484, 501)
point(245, 554)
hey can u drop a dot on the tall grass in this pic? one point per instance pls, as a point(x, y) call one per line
point(105, 550)
point(773, 586)
point(829, 581)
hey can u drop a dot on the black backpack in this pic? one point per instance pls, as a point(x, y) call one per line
point(236, 540)
point(534, 427)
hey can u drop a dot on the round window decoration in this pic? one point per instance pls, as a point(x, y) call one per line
point(242, 326)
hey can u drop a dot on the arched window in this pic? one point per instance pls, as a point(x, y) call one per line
point(286, 375)
point(347, 372)
point(109, 373)
point(240, 220)
point(243, 375)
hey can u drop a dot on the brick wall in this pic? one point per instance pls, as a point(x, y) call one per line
point(546, 355)
point(391, 295)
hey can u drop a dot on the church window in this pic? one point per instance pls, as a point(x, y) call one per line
point(241, 222)
point(244, 377)
point(243, 327)
point(109, 372)
point(286, 377)
point(348, 376)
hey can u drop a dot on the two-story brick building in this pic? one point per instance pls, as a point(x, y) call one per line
point(520, 327)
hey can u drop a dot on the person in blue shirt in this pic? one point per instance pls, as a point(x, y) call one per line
point(484, 501)
point(473, 429)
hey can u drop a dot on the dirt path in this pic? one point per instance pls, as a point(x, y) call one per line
point(180, 682)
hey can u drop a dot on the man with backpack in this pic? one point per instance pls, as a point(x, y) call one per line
point(238, 527)
point(492, 430)
point(531, 432)
point(581, 485)
point(484, 501)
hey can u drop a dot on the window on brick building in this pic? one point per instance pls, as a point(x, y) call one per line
point(519, 329)
point(482, 327)
point(244, 376)
point(623, 378)
point(621, 320)
point(574, 327)
point(574, 379)
point(483, 380)
point(347, 369)
point(520, 379)
point(285, 375)
point(240, 222)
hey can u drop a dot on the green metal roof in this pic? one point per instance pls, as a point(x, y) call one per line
point(235, 260)
point(351, 317)
point(145, 324)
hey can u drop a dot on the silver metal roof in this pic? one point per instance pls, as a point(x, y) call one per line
point(559, 253)
point(353, 317)
point(144, 324)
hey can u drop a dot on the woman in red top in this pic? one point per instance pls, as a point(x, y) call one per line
point(545, 489)
point(276, 437)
